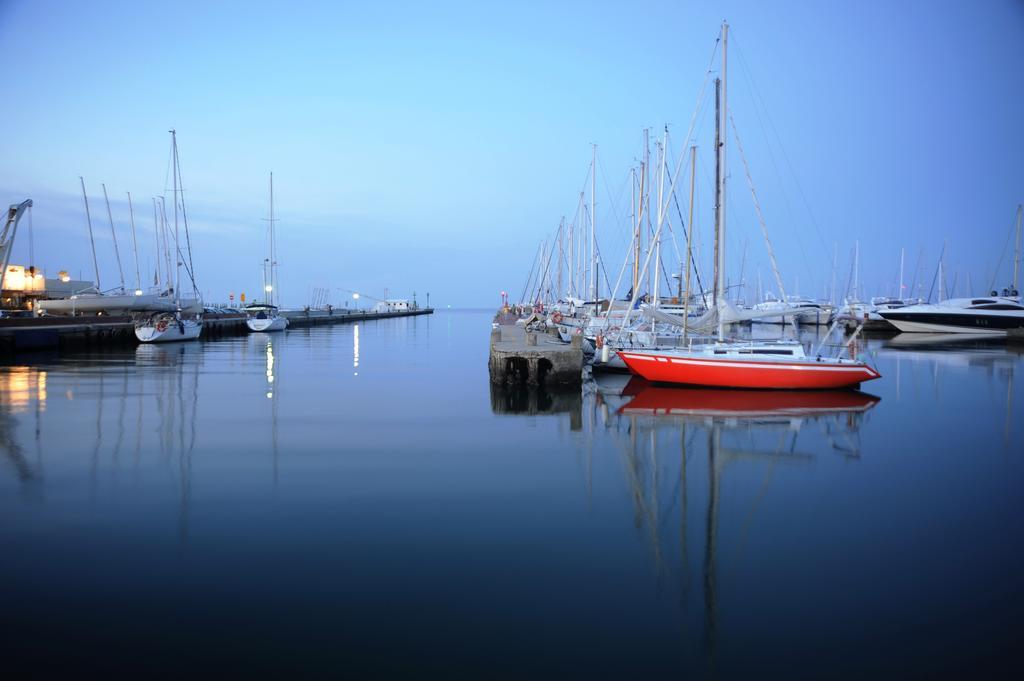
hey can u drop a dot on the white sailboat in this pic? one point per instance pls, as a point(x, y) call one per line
point(266, 316)
point(185, 322)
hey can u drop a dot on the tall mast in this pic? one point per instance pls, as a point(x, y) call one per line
point(835, 253)
point(561, 257)
point(856, 270)
point(117, 251)
point(636, 234)
point(593, 227)
point(570, 264)
point(177, 249)
point(156, 228)
point(900, 293)
point(645, 199)
point(135, 245)
point(92, 242)
point(721, 173)
point(272, 293)
point(661, 211)
point(719, 275)
point(689, 243)
point(1016, 252)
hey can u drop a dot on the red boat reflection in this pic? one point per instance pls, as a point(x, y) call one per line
point(655, 400)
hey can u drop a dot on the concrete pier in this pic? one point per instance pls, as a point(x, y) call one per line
point(26, 334)
point(303, 318)
point(519, 357)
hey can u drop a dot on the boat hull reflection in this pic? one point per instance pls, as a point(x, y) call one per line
point(652, 399)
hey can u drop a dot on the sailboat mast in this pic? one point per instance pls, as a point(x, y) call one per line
point(661, 214)
point(92, 242)
point(835, 254)
point(113, 234)
point(719, 275)
point(272, 293)
point(135, 244)
point(156, 228)
point(721, 172)
point(177, 249)
point(593, 227)
point(636, 235)
point(1016, 252)
point(689, 243)
point(856, 270)
point(900, 293)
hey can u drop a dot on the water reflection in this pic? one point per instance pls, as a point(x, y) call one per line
point(666, 434)
point(272, 394)
point(355, 348)
point(22, 390)
point(532, 400)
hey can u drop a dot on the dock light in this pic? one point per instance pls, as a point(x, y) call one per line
point(64, 276)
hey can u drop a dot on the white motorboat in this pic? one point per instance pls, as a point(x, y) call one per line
point(994, 314)
point(802, 310)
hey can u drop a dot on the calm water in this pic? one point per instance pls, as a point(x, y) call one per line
point(358, 499)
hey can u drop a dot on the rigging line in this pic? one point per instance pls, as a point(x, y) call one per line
point(1009, 236)
point(529, 277)
point(729, 202)
point(785, 196)
point(31, 241)
point(782, 148)
point(600, 262)
point(696, 111)
point(693, 260)
point(938, 267)
point(849, 282)
point(184, 218)
point(608, 190)
point(757, 207)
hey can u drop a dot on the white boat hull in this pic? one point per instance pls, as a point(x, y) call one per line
point(267, 324)
point(187, 329)
point(91, 304)
point(922, 327)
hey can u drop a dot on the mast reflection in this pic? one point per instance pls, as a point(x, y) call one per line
point(743, 430)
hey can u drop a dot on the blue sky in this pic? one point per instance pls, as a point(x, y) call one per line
point(431, 146)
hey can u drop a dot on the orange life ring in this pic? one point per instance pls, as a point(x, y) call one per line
point(557, 317)
point(161, 325)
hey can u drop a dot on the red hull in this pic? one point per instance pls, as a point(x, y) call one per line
point(651, 399)
point(743, 373)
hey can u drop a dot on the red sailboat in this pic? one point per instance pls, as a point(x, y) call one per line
point(780, 365)
point(741, 364)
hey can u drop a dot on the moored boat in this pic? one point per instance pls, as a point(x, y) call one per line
point(186, 321)
point(165, 327)
point(774, 365)
point(993, 314)
point(264, 317)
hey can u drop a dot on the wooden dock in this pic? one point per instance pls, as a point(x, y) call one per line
point(527, 357)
